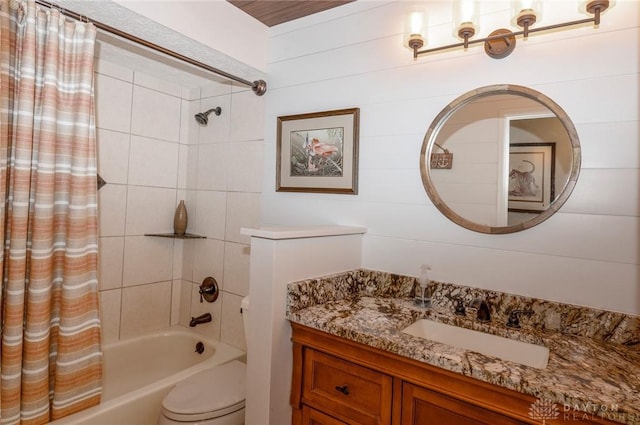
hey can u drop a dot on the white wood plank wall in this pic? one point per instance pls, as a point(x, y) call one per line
point(352, 56)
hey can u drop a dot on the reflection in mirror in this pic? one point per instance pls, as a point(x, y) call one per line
point(515, 159)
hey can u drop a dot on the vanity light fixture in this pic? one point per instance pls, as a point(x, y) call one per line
point(465, 19)
point(525, 13)
point(415, 25)
point(501, 42)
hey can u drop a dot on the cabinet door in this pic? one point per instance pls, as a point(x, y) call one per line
point(313, 417)
point(421, 406)
point(345, 390)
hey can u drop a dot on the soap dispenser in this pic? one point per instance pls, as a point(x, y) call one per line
point(423, 294)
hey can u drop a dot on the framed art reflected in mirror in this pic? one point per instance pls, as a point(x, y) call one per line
point(531, 176)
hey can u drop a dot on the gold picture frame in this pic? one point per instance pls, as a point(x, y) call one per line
point(318, 152)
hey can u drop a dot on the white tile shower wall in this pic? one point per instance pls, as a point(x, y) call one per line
point(208, 259)
point(153, 162)
point(587, 254)
point(152, 153)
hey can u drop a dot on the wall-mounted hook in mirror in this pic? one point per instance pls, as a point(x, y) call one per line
point(209, 290)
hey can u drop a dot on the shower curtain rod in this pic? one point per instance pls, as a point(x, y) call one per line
point(259, 87)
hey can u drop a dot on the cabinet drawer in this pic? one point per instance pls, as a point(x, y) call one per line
point(421, 406)
point(313, 417)
point(345, 390)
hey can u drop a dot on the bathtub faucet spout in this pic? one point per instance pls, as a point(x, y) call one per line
point(203, 318)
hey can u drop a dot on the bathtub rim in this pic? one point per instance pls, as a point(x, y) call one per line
point(224, 353)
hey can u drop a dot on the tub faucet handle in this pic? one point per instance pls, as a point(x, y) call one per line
point(209, 290)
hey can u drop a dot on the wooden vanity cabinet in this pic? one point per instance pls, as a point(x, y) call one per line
point(336, 381)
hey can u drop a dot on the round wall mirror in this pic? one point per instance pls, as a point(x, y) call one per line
point(500, 159)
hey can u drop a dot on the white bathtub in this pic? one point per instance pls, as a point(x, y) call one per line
point(139, 372)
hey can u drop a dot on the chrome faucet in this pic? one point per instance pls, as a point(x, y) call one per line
point(203, 318)
point(483, 313)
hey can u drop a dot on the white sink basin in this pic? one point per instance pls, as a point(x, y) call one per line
point(491, 345)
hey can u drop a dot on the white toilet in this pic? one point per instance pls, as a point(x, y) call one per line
point(213, 397)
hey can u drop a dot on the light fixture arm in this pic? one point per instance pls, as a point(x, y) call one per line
point(525, 21)
point(596, 17)
point(595, 7)
point(466, 33)
point(416, 44)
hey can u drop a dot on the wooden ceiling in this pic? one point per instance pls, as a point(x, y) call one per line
point(274, 12)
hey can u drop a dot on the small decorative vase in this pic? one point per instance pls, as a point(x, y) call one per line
point(180, 219)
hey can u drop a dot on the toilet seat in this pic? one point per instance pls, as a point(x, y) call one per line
point(210, 394)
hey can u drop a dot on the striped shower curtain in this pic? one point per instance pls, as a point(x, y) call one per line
point(51, 359)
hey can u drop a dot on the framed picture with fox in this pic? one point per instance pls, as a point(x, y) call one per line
point(531, 176)
point(318, 152)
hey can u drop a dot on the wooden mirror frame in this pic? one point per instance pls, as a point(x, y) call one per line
point(461, 101)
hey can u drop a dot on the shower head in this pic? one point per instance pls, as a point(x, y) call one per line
point(203, 117)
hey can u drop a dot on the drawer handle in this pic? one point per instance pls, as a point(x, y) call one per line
point(343, 389)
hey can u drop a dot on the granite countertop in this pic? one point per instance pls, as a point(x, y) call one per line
point(585, 377)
